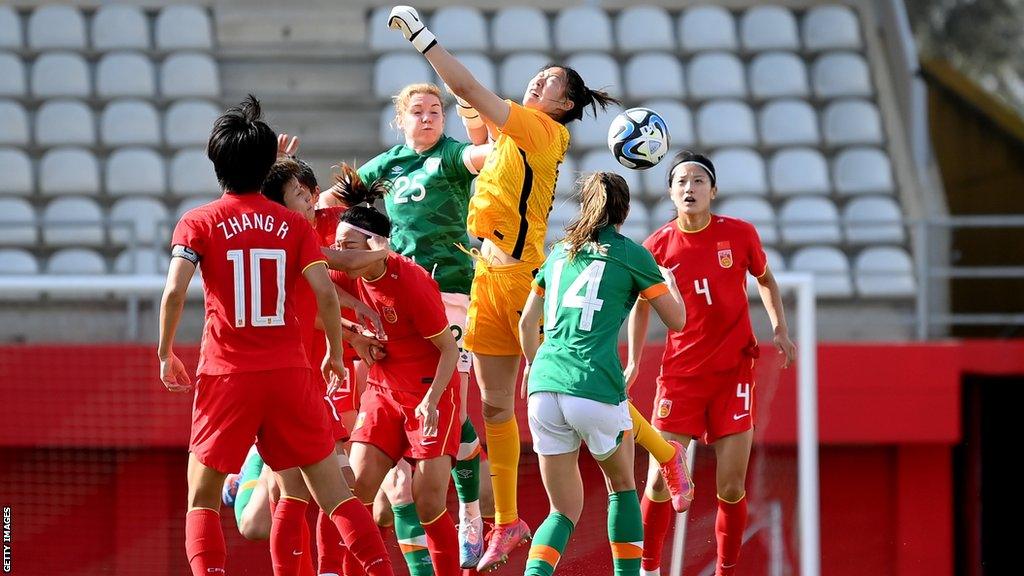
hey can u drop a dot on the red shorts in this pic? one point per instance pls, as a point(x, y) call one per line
point(386, 420)
point(711, 406)
point(342, 399)
point(280, 408)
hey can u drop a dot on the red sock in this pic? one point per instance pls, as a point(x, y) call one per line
point(204, 542)
point(729, 525)
point(306, 567)
point(328, 543)
point(657, 522)
point(352, 567)
point(443, 544)
point(286, 550)
point(355, 525)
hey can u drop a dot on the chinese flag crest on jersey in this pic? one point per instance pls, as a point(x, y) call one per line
point(724, 255)
point(389, 313)
point(664, 408)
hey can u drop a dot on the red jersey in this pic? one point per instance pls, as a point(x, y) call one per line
point(251, 253)
point(711, 268)
point(327, 223)
point(409, 303)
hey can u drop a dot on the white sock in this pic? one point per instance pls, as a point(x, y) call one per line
point(468, 510)
point(655, 572)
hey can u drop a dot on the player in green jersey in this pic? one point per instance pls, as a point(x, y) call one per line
point(577, 392)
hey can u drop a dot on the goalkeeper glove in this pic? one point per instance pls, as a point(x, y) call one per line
point(406, 20)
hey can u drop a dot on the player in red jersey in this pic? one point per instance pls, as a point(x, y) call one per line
point(706, 387)
point(253, 374)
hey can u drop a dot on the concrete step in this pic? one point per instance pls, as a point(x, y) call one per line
point(302, 81)
point(326, 130)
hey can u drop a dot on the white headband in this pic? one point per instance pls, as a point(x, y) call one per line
point(371, 235)
point(710, 172)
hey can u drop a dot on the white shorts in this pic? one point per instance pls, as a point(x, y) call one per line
point(559, 421)
point(455, 307)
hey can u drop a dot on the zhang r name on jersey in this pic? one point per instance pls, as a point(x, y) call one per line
point(253, 221)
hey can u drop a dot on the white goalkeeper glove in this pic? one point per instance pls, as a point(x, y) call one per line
point(406, 20)
point(470, 117)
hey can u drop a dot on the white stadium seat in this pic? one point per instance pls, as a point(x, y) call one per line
point(852, 122)
point(120, 27)
point(789, 123)
point(384, 39)
point(862, 171)
point(637, 225)
point(716, 75)
point(388, 132)
point(184, 27)
point(810, 220)
point(520, 28)
point(69, 171)
point(142, 261)
point(603, 161)
point(192, 173)
point(769, 28)
point(185, 74)
point(56, 27)
point(17, 223)
point(14, 261)
point(592, 131)
point(517, 70)
point(754, 210)
point(567, 175)
point(830, 268)
point(13, 124)
point(885, 272)
point(16, 167)
point(654, 75)
point(135, 221)
point(125, 74)
point(12, 76)
point(707, 28)
point(599, 71)
point(73, 221)
point(838, 74)
point(65, 122)
point(778, 75)
point(60, 74)
point(76, 261)
point(678, 118)
point(831, 28)
point(726, 123)
point(460, 28)
point(799, 171)
point(394, 71)
point(583, 28)
point(135, 171)
point(740, 171)
point(873, 220)
point(644, 28)
point(193, 202)
point(10, 29)
point(188, 122)
point(130, 122)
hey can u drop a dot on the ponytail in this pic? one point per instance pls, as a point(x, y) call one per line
point(604, 201)
point(581, 96)
point(350, 188)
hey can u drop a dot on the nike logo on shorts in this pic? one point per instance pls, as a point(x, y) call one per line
point(738, 416)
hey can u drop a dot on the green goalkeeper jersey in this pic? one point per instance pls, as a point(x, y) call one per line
point(428, 206)
point(586, 299)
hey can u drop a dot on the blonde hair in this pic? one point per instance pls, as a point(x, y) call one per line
point(604, 201)
point(403, 97)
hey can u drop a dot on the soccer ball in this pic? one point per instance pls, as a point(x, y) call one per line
point(638, 138)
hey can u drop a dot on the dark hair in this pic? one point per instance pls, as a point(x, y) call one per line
point(581, 96)
point(689, 156)
point(368, 218)
point(242, 147)
point(604, 201)
point(280, 174)
point(306, 175)
point(351, 189)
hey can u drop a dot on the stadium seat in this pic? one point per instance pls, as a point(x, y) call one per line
point(188, 122)
point(583, 28)
point(142, 261)
point(739, 171)
point(664, 211)
point(666, 82)
point(135, 171)
point(637, 225)
point(73, 221)
point(837, 74)
point(873, 220)
point(192, 173)
point(69, 171)
point(757, 211)
point(599, 71)
point(76, 261)
point(830, 268)
point(12, 76)
point(13, 124)
point(10, 29)
point(125, 74)
point(707, 28)
point(60, 74)
point(884, 272)
point(17, 222)
point(789, 122)
point(602, 161)
point(55, 26)
point(190, 203)
point(810, 220)
point(678, 118)
point(831, 28)
point(65, 122)
point(184, 27)
point(17, 262)
point(17, 170)
point(592, 131)
point(862, 171)
point(716, 75)
point(382, 38)
point(848, 122)
point(769, 28)
point(726, 123)
point(130, 122)
point(394, 71)
point(567, 175)
point(389, 134)
point(135, 221)
point(778, 75)
point(799, 171)
point(460, 28)
point(520, 28)
point(481, 67)
point(120, 27)
point(640, 28)
point(517, 70)
point(186, 74)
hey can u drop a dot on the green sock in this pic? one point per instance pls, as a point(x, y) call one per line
point(250, 474)
point(625, 532)
point(412, 540)
point(548, 543)
point(466, 473)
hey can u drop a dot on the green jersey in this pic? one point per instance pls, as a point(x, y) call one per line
point(586, 299)
point(428, 206)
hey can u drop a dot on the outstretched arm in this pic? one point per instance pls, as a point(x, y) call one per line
point(771, 296)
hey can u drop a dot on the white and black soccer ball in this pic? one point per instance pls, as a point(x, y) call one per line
point(638, 138)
